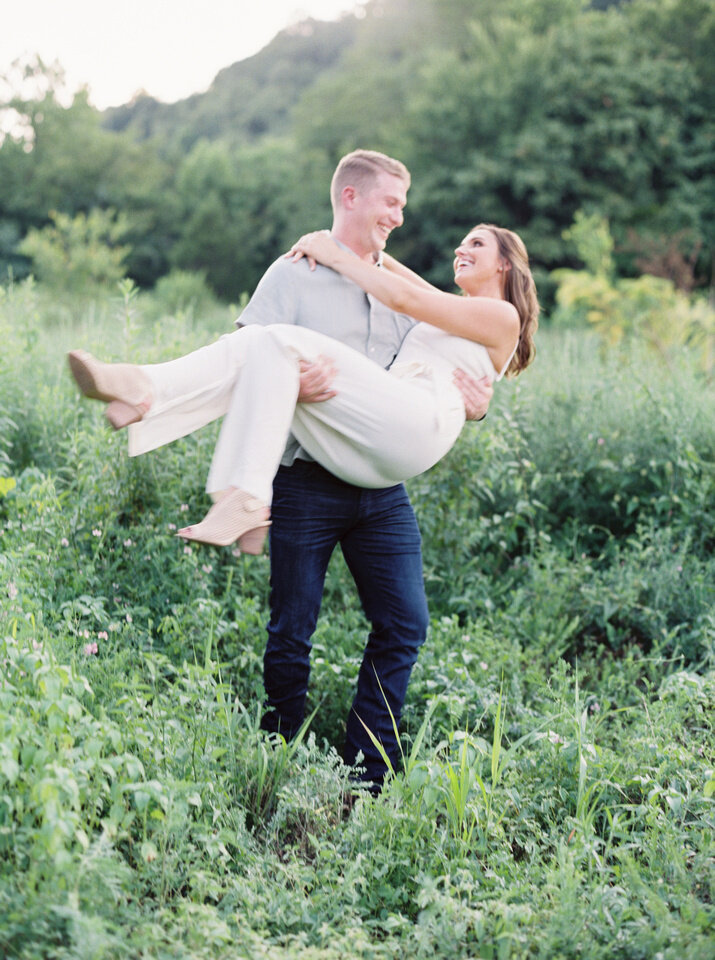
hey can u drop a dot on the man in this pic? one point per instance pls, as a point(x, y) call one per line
point(312, 511)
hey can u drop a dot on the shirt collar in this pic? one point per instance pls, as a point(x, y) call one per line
point(377, 257)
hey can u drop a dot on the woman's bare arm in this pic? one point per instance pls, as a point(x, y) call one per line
point(394, 266)
point(491, 322)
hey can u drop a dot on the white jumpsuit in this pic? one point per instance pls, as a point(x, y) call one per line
point(382, 427)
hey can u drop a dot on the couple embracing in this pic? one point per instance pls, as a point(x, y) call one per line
point(348, 374)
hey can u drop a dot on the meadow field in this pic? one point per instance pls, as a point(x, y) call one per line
point(557, 789)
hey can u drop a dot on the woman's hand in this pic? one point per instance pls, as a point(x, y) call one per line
point(316, 247)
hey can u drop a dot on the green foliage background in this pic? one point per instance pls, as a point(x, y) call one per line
point(520, 112)
point(556, 794)
point(557, 789)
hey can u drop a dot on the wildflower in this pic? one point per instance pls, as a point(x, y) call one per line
point(595, 707)
point(184, 507)
point(89, 649)
point(11, 590)
point(236, 552)
point(96, 532)
point(102, 635)
point(483, 665)
point(128, 542)
point(600, 441)
point(187, 550)
point(129, 618)
point(64, 542)
point(554, 737)
point(85, 634)
point(206, 567)
point(172, 526)
point(36, 645)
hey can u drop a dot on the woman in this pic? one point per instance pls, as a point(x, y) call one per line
point(381, 428)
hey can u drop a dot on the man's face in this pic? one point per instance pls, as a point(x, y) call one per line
point(376, 211)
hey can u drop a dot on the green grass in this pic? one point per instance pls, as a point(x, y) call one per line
point(556, 796)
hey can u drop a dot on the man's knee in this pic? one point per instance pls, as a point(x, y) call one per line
point(406, 626)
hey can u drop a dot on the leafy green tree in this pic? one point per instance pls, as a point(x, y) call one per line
point(591, 237)
point(547, 109)
point(241, 208)
point(681, 247)
point(78, 253)
point(521, 112)
point(646, 308)
point(361, 102)
point(56, 156)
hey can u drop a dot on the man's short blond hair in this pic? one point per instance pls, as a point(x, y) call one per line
point(361, 168)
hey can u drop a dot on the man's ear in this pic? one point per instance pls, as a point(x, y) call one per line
point(348, 196)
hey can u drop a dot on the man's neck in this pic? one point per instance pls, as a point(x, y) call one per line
point(353, 243)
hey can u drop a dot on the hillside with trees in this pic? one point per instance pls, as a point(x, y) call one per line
point(523, 113)
point(248, 100)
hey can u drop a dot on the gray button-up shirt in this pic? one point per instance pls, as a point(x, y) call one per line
point(326, 301)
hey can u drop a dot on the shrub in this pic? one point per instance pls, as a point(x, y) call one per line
point(558, 781)
point(649, 309)
point(78, 253)
point(183, 294)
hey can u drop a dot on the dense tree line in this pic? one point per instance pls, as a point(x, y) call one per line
point(522, 112)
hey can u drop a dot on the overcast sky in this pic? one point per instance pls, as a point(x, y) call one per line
point(169, 48)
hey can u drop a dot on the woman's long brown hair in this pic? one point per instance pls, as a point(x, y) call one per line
point(520, 290)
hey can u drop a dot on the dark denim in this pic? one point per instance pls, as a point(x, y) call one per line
point(312, 511)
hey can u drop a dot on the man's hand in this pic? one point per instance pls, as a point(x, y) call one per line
point(475, 393)
point(316, 379)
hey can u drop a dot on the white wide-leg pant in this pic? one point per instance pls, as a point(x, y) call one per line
point(380, 429)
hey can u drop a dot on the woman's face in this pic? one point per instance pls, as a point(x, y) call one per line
point(477, 260)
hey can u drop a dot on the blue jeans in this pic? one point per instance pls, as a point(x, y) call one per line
point(312, 511)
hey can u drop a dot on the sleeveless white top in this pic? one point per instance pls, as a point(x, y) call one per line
point(428, 350)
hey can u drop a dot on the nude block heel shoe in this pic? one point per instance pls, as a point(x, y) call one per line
point(236, 516)
point(121, 414)
point(124, 387)
point(252, 542)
